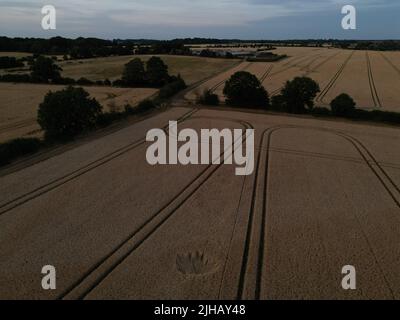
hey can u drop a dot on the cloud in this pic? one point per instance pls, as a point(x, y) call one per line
point(201, 17)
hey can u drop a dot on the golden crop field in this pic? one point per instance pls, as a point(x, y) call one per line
point(20, 103)
point(323, 194)
point(371, 78)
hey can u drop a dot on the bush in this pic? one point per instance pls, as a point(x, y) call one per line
point(66, 113)
point(118, 83)
point(278, 103)
point(321, 112)
point(144, 106)
point(19, 78)
point(343, 106)
point(208, 98)
point(14, 149)
point(243, 89)
point(377, 116)
point(84, 82)
point(65, 81)
point(298, 95)
point(107, 118)
point(171, 89)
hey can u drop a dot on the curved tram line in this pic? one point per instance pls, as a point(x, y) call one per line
point(330, 84)
point(372, 86)
point(105, 266)
point(392, 189)
point(20, 200)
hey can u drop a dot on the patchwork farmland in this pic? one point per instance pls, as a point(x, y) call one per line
point(324, 193)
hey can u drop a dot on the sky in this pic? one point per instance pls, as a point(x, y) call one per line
point(233, 19)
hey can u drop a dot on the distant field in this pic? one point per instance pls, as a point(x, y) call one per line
point(371, 78)
point(15, 54)
point(19, 103)
point(192, 69)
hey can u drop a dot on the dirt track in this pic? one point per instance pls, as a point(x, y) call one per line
point(323, 195)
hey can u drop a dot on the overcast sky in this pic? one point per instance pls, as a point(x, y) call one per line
point(166, 19)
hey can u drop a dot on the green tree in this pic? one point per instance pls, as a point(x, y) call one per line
point(157, 72)
point(243, 89)
point(44, 69)
point(134, 73)
point(343, 105)
point(66, 113)
point(299, 94)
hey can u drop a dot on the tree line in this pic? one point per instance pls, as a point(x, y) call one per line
point(297, 96)
point(82, 48)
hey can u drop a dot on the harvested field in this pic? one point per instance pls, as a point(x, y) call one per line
point(192, 69)
point(323, 195)
point(19, 104)
point(371, 78)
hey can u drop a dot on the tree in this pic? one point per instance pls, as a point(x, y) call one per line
point(157, 72)
point(343, 105)
point(243, 89)
point(66, 113)
point(299, 94)
point(44, 69)
point(134, 73)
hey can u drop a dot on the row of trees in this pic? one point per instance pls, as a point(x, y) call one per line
point(76, 48)
point(244, 89)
